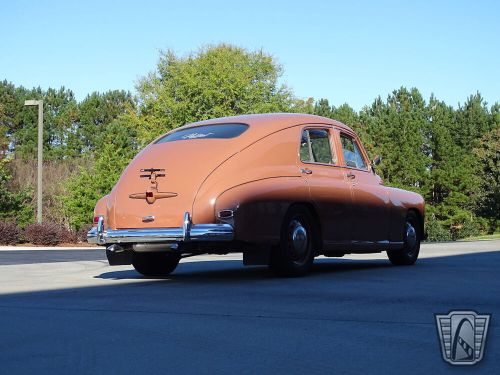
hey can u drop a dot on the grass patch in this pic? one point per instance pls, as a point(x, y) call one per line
point(494, 236)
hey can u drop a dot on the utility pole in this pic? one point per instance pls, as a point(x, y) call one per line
point(39, 103)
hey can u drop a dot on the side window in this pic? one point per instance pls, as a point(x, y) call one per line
point(305, 147)
point(315, 146)
point(352, 154)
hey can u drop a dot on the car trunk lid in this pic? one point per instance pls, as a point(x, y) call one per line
point(161, 183)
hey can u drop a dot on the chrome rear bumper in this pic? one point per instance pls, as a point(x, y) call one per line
point(189, 232)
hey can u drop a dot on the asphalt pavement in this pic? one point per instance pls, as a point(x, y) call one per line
point(67, 311)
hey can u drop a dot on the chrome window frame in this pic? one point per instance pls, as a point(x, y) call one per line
point(329, 129)
point(363, 156)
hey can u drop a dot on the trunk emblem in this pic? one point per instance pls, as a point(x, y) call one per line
point(148, 219)
point(152, 193)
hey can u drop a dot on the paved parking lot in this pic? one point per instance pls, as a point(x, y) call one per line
point(67, 311)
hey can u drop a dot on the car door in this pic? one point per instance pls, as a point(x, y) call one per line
point(329, 191)
point(370, 200)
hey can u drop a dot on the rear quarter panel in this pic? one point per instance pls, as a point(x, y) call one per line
point(259, 182)
point(261, 206)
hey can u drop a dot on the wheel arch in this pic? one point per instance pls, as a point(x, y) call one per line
point(420, 220)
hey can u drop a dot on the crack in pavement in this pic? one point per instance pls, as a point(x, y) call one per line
point(185, 313)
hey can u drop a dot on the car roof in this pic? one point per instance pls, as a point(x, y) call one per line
point(267, 123)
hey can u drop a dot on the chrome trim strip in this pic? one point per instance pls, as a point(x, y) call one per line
point(391, 244)
point(378, 243)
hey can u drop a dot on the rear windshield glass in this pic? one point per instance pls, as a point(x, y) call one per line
point(205, 132)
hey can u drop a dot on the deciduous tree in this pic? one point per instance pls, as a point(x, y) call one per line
point(215, 81)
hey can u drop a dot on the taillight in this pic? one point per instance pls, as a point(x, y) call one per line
point(96, 219)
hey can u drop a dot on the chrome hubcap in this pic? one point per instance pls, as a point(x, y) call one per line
point(411, 236)
point(299, 238)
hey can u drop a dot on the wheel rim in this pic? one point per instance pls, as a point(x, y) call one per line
point(298, 241)
point(411, 238)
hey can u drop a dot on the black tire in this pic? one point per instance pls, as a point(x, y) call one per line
point(295, 254)
point(412, 237)
point(155, 264)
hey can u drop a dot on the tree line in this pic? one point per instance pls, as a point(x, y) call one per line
point(449, 155)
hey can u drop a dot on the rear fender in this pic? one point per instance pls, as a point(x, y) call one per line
point(101, 208)
point(260, 206)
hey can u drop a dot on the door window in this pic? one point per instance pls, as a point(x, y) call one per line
point(315, 147)
point(352, 154)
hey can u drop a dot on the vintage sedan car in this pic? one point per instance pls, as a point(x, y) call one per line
point(280, 188)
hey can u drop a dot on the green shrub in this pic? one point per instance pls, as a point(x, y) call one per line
point(435, 231)
point(15, 206)
point(85, 188)
point(469, 228)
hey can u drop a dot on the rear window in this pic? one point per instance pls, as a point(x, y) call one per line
point(221, 131)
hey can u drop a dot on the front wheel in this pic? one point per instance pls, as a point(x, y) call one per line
point(155, 264)
point(409, 254)
point(294, 255)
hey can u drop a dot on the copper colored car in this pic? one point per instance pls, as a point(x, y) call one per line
point(280, 188)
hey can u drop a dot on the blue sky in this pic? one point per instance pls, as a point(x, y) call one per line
point(345, 51)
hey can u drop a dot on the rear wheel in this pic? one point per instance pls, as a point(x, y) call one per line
point(409, 254)
point(155, 264)
point(294, 255)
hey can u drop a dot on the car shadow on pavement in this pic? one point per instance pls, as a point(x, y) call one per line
point(234, 270)
point(346, 316)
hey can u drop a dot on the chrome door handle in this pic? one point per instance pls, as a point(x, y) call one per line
point(306, 171)
point(350, 175)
